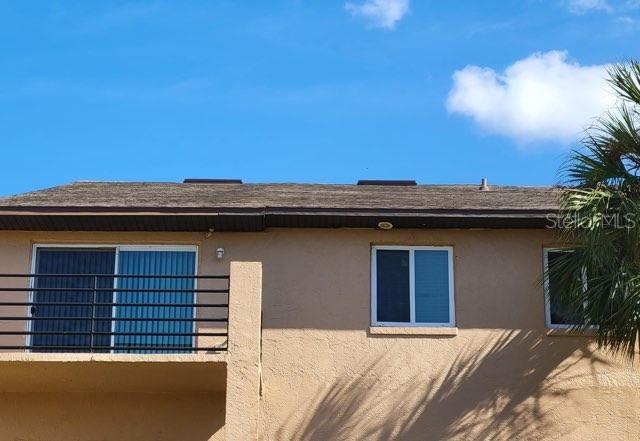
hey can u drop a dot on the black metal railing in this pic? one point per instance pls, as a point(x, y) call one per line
point(108, 313)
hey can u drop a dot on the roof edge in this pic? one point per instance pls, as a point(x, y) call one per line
point(165, 211)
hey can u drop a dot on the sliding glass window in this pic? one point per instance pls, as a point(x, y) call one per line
point(113, 299)
point(412, 286)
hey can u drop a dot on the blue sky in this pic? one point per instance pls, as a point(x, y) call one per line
point(302, 91)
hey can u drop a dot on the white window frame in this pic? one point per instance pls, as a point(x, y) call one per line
point(412, 288)
point(547, 297)
point(118, 247)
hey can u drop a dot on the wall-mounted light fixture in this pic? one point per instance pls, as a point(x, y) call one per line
point(220, 253)
point(384, 225)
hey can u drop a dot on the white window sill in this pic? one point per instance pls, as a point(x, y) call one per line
point(414, 330)
point(568, 332)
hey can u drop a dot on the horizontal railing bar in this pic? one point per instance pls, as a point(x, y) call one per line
point(130, 290)
point(146, 305)
point(187, 349)
point(138, 302)
point(124, 334)
point(120, 276)
point(133, 319)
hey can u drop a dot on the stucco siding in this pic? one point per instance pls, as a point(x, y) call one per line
point(325, 376)
point(120, 416)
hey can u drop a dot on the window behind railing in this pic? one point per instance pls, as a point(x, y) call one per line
point(120, 300)
point(63, 301)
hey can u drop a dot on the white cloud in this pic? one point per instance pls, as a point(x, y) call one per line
point(583, 6)
point(628, 22)
point(380, 13)
point(542, 97)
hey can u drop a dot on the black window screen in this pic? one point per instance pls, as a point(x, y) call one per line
point(54, 325)
point(559, 313)
point(392, 291)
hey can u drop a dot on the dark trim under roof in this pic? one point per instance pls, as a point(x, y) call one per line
point(104, 206)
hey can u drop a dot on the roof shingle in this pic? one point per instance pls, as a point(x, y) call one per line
point(176, 196)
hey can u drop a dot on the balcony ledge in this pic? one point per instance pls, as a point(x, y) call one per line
point(112, 373)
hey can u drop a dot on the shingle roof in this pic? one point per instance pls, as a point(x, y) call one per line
point(153, 206)
point(163, 195)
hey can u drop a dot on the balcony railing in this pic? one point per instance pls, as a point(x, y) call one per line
point(107, 313)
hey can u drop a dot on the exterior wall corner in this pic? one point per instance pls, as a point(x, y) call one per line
point(243, 362)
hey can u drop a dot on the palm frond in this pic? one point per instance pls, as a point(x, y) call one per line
point(599, 280)
point(625, 79)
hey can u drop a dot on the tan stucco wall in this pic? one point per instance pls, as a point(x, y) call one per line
point(324, 376)
point(111, 416)
point(242, 413)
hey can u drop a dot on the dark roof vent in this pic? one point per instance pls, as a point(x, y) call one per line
point(212, 181)
point(401, 183)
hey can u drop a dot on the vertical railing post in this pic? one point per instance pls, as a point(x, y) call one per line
point(228, 310)
point(31, 298)
point(93, 312)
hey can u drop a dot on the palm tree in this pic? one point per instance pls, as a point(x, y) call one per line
point(599, 279)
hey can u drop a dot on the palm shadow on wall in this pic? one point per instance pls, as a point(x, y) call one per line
point(493, 391)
